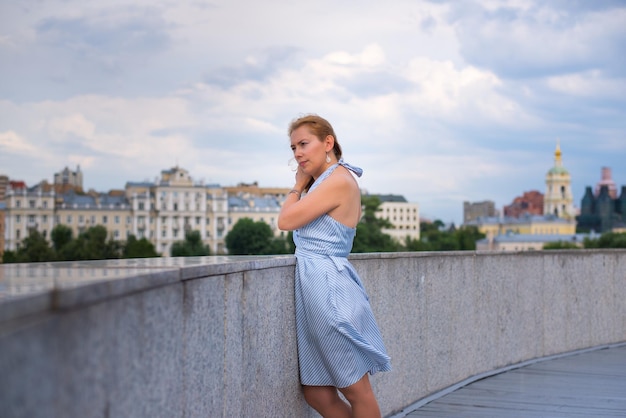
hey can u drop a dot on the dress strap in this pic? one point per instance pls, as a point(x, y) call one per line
point(356, 170)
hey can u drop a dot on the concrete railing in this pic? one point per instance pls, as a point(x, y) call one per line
point(215, 336)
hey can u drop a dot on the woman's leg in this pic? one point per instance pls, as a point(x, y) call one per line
point(362, 399)
point(326, 401)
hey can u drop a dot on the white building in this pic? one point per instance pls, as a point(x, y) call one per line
point(404, 217)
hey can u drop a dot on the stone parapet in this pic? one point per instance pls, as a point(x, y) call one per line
point(215, 336)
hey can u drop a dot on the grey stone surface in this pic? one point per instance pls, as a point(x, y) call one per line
point(215, 336)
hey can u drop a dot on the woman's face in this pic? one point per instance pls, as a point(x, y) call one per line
point(309, 151)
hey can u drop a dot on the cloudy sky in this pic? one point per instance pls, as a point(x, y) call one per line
point(439, 101)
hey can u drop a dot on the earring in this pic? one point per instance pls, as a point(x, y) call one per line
point(327, 158)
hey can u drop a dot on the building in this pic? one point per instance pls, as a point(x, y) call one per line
point(530, 203)
point(494, 228)
point(4, 184)
point(603, 211)
point(253, 189)
point(2, 217)
point(474, 210)
point(403, 216)
point(26, 209)
point(528, 242)
point(606, 180)
point(65, 177)
point(161, 211)
point(258, 209)
point(164, 211)
point(558, 199)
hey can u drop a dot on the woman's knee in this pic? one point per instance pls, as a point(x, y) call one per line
point(359, 391)
point(318, 396)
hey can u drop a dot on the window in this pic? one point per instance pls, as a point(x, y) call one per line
point(31, 219)
point(117, 219)
point(164, 233)
point(141, 205)
point(129, 220)
point(81, 219)
point(44, 218)
point(17, 234)
point(18, 203)
point(69, 219)
point(93, 219)
point(45, 204)
point(18, 219)
point(116, 234)
point(105, 219)
point(31, 204)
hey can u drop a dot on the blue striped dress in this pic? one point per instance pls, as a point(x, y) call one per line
point(338, 338)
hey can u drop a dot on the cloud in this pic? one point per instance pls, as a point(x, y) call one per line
point(439, 101)
point(530, 39)
point(12, 143)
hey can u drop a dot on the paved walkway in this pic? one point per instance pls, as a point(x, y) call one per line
point(588, 384)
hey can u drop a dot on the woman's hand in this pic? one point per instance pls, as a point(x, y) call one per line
point(302, 180)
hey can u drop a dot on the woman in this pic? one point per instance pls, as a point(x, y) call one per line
point(338, 340)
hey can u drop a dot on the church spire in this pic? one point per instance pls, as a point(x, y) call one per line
point(558, 162)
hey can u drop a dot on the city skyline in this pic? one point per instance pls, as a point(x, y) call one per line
point(441, 102)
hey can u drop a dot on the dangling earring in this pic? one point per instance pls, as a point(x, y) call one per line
point(327, 158)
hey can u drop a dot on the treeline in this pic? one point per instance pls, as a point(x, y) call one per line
point(247, 237)
point(606, 240)
point(89, 245)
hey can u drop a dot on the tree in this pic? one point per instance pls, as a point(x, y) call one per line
point(369, 235)
point(61, 235)
point(141, 248)
point(9, 257)
point(254, 238)
point(34, 248)
point(560, 245)
point(607, 240)
point(466, 237)
point(93, 245)
point(191, 246)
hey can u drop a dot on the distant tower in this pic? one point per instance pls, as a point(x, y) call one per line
point(558, 199)
point(607, 181)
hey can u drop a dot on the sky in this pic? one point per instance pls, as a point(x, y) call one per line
point(438, 101)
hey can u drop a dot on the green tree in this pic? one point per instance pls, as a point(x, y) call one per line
point(609, 240)
point(560, 245)
point(411, 244)
point(191, 246)
point(466, 237)
point(61, 237)
point(369, 235)
point(93, 245)
point(138, 248)
point(9, 257)
point(34, 248)
point(254, 238)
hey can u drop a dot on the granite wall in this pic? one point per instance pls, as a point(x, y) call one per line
point(215, 336)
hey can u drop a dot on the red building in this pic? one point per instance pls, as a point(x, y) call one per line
point(529, 203)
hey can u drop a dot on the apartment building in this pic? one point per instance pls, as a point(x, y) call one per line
point(161, 211)
point(404, 217)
